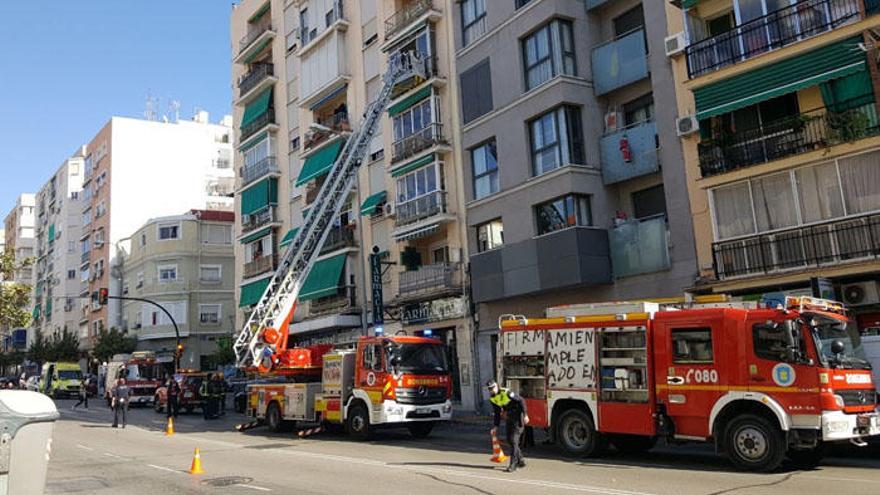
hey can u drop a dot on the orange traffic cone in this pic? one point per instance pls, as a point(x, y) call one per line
point(196, 467)
point(169, 430)
point(497, 452)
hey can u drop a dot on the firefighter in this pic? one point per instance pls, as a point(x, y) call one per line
point(173, 394)
point(120, 393)
point(206, 391)
point(514, 408)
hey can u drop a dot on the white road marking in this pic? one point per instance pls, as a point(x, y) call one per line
point(253, 487)
point(831, 478)
point(163, 468)
point(108, 454)
point(80, 446)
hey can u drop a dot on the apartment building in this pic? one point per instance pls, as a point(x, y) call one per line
point(135, 170)
point(56, 248)
point(777, 101)
point(186, 264)
point(572, 168)
point(19, 238)
point(409, 197)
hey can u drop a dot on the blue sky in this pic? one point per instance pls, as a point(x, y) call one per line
point(67, 66)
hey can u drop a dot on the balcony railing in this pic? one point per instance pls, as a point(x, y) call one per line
point(420, 208)
point(258, 123)
point(827, 244)
point(639, 246)
point(775, 30)
point(808, 131)
point(337, 122)
point(430, 65)
point(252, 36)
point(638, 158)
point(619, 62)
point(430, 279)
point(257, 73)
point(343, 303)
point(403, 17)
point(256, 171)
point(259, 266)
point(84, 257)
point(338, 238)
point(258, 219)
point(429, 136)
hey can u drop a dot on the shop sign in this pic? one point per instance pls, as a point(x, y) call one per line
point(436, 310)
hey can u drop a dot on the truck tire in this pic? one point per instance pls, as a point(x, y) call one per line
point(754, 444)
point(157, 406)
point(807, 458)
point(357, 424)
point(577, 436)
point(633, 444)
point(273, 418)
point(420, 430)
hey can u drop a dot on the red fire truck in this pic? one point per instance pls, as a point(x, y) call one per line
point(761, 383)
point(383, 381)
point(141, 371)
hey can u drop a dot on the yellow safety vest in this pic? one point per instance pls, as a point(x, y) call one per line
point(500, 399)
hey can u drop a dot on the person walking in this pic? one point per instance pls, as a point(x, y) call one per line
point(83, 393)
point(120, 394)
point(172, 408)
point(514, 408)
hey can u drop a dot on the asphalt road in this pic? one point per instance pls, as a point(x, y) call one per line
point(89, 457)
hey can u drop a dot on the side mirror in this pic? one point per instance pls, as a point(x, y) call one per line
point(837, 347)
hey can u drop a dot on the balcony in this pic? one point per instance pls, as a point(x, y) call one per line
point(250, 82)
point(259, 266)
point(406, 16)
point(335, 305)
point(775, 30)
point(257, 38)
point(639, 158)
point(430, 281)
point(592, 4)
point(431, 71)
point(261, 218)
point(339, 238)
point(265, 119)
point(84, 258)
point(428, 137)
point(620, 62)
point(258, 170)
point(427, 206)
point(809, 131)
point(831, 243)
point(639, 246)
point(336, 123)
point(333, 16)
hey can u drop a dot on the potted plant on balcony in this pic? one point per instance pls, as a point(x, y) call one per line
point(847, 126)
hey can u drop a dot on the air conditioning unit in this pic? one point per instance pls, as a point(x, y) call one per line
point(685, 126)
point(861, 293)
point(389, 209)
point(674, 44)
point(613, 121)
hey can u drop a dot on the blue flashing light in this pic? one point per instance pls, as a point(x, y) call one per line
point(427, 332)
point(379, 331)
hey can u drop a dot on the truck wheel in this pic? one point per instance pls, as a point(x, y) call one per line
point(273, 418)
point(633, 444)
point(156, 405)
point(420, 430)
point(807, 458)
point(754, 444)
point(577, 436)
point(357, 424)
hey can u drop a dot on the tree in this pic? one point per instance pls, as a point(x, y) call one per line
point(38, 352)
point(64, 346)
point(113, 342)
point(224, 353)
point(15, 311)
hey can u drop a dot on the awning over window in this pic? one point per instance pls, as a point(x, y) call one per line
point(320, 163)
point(288, 237)
point(333, 94)
point(257, 107)
point(409, 101)
point(259, 13)
point(686, 4)
point(259, 196)
point(36, 312)
point(325, 279)
point(52, 233)
point(370, 204)
point(256, 51)
point(786, 76)
point(251, 293)
point(409, 167)
point(256, 235)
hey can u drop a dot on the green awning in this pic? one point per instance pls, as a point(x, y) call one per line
point(288, 237)
point(370, 204)
point(410, 101)
point(49, 307)
point(325, 279)
point(257, 107)
point(686, 4)
point(409, 167)
point(36, 312)
point(52, 233)
point(251, 293)
point(259, 196)
point(256, 235)
point(253, 141)
point(259, 13)
point(319, 163)
point(786, 76)
point(256, 51)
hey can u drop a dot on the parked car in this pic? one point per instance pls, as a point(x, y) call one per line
point(33, 383)
point(190, 398)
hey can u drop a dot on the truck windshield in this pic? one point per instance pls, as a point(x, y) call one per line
point(826, 330)
point(69, 375)
point(421, 358)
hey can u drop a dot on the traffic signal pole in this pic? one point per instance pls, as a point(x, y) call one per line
point(179, 347)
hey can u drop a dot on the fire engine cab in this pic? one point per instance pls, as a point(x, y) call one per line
point(761, 383)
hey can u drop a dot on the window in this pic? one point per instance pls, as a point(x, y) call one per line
point(153, 317)
point(304, 26)
point(561, 213)
point(168, 273)
point(71, 274)
point(556, 139)
point(414, 119)
point(167, 232)
point(548, 52)
point(639, 110)
point(373, 357)
point(99, 236)
point(419, 183)
point(473, 20)
point(143, 239)
point(484, 159)
point(629, 21)
point(259, 152)
point(258, 249)
point(771, 341)
point(210, 273)
point(490, 235)
point(140, 279)
point(692, 346)
point(100, 210)
point(209, 314)
point(518, 4)
point(219, 234)
point(85, 246)
point(440, 255)
point(476, 91)
point(71, 246)
point(87, 217)
point(649, 202)
point(74, 195)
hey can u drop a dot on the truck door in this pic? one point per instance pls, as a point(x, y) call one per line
point(371, 371)
point(688, 368)
point(778, 365)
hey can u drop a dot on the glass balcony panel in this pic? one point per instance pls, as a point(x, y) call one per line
point(640, 141)
point(620, 62)
point(639, 246)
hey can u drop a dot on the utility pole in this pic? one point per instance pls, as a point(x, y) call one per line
point(179, 347)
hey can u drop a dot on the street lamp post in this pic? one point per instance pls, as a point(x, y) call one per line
point(173, 322)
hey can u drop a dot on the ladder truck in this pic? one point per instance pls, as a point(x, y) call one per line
point(384, 380)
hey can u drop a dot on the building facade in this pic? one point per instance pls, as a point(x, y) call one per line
point(573, 175)
point(409, 199)
point(19, 239)
point(56, 248)
point(186, 264)
point(135, 170)
point(777, 102)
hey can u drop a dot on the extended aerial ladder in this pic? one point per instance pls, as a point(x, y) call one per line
point(262, 343)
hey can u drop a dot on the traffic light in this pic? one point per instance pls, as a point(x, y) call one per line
point(103, 294)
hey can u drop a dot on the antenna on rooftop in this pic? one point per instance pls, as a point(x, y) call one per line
point(174, 106)
point(150, 107)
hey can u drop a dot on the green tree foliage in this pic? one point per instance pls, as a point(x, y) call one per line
point(224, 353)
point(15, 310)
point(39, 349)
point(112, 342)
point(63, 346)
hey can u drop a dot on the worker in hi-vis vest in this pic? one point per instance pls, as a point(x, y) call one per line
point(514, 408)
